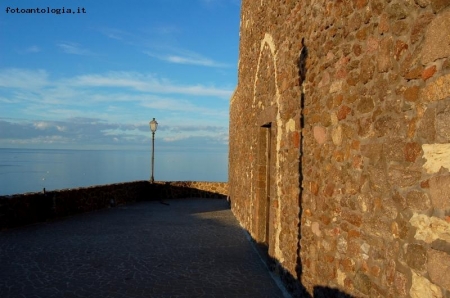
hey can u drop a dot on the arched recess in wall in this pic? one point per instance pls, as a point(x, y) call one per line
point(266, 139)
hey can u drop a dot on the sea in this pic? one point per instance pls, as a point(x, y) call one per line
point(32, 170)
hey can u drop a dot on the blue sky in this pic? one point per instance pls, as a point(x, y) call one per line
point(94, 80)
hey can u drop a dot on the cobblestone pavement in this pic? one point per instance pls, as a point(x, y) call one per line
point(189, 248)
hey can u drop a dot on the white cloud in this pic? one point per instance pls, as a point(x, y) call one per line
point(42, 125)
point(73, 48)
point(34, 85)
point(94, 108)
point(26, 79)
point(146, 83)
point(61, 128)
point(156, 38)
point(73, 132)
point(113, 33)
point(175, 138)
point(187, 58)
point(33, 49)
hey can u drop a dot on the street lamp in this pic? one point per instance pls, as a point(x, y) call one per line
point(153, 127)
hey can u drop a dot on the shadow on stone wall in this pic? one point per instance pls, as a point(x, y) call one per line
point(292, 284)
point(23, 209)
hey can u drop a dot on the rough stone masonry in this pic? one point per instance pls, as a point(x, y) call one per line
point(340, 167)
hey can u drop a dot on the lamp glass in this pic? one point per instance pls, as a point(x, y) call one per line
point(153, 125)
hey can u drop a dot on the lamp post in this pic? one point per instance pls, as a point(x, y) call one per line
point(153, 127)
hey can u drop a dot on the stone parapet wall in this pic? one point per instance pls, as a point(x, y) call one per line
point(21, 209)
point(192, 189)
point(353, 192)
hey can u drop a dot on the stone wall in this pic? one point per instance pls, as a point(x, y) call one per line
point(29, 208)
point(340, 147)
point(190, 189)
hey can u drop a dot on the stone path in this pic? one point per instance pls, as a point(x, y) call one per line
point(189, 248)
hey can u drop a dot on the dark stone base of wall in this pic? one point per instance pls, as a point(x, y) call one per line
point(23, 209)
point(292, 284)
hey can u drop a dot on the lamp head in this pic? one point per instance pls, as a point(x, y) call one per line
point(153, 125)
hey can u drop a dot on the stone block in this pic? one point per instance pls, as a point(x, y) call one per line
point(412, 151)
point(360, 4)
point(423, 288)
point(446, 64)
point(384, 25)
point(378, 226)
point(427, 128)
point(389, 208)
point(399, 199)
point(378, 179)
point(377, 6)
point(402, 176)
point(438, 30)
point(355, 22)
point(357, 50)
point(411, 93)
point(315, 228)
point(365, 127)
point(439, 5)
point(390, 272)
point(397, 11)
point(429, 229)
point(329, 189)
point(414, 73)
point(320, 134)
point(314, 188)
point(393, 150)
point(342, 245)
point(387, 125)
point(384, 55)
point(416, 256)
point(400, 28)
point(437, 156)
point(400, 48)
point(443, 123)
point(336, 86)
point(438, 266)
point(437, 89)
point(400, 229)
point(428, 72)
point(400, 282)
point(417, 200)
point(422, 3)
point(336, 135)
point(352, 217)
point(440, 191)
point(325, 80)
point(367, 69)
point(296, 139)
point(343, 112)
point(372, 44)
point(362, 283)
point(420, 25)
point(375, 271)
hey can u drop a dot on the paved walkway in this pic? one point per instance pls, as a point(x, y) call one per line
point(189, 248)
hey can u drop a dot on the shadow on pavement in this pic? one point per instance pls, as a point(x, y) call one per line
point(190, 248)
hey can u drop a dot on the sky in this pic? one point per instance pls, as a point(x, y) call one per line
point(93, 77)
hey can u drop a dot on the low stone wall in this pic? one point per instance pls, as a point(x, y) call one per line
point(22, 209)
point(191, 189)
